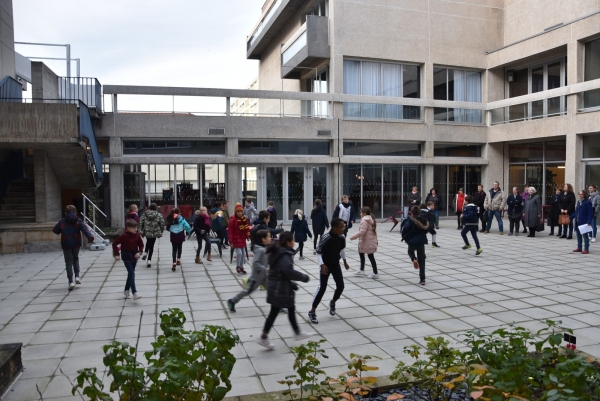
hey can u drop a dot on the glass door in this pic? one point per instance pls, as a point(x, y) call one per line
point(592, 173)
point(319, 187)
point(295, 191)
point(274, 189)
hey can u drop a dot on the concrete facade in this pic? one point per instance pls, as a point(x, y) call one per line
point(48, 204)
point(7, 40)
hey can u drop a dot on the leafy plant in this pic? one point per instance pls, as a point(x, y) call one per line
point(183, 365)
point(306, 365)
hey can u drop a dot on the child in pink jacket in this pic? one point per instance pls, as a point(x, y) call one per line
point(367, 241)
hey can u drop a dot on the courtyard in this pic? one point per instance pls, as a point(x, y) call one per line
point(516, 279)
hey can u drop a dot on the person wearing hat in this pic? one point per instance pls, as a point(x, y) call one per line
point(459, 202)
point(238, 232)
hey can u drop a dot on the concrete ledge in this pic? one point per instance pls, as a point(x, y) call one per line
point(29, 237)
point(11, 365)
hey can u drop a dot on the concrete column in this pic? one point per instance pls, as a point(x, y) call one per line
point(428, 169)
point(115, 147)
point(44, 82)
point(48, 198)
point(337, 178)
point(494, 171)
point(232, 147)
point(573, 173)
point(233, 184)
point(117, 197)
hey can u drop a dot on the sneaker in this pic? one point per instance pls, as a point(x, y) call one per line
point(312, 317)
point(303, 335)
point(238, 270)
point(466, 247)
point(422, 282)
point(149, 265)
point(486, 232)
point(266, 343)
point(71, 286)
point(374, 276)
point(331, 308)
point(127, 294)
point(231, 305)
point(416, 264)
point(174, 267)
point(435, 245)
point(301, 258)
point(244, 271)
point(77, 280)
point(585, 252)
point(593, 240)
point(577, 250)
point(478, 252)
point(136, 295)
point(501, 233)
point(359, 273)
point(145, 255)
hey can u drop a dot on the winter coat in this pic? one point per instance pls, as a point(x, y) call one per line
point(479, 200)
point(201, 223)
point(152, 224)
point(130, 242)
point(281, 289)
point(226, 217)
point(414, 199)
point(515, 205)
point(70, 229)
point(217, 220)
point(273, 221)
point(300, 229)
point(260, 264)
point(470, 215)
point(583, 213)
point(495, 200)
point(595, 200)
point(179, 225)
point(458, 202)
point(437, 200)
point(250, 212)
point(567, 202)
point(367, 239)
point(319, 220)
point(414, 232)
point(238, 232)
point(350, 206)
point(132, 216)
point(531, 210)
point(554, 210)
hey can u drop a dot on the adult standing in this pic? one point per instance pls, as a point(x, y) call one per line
point(583, 215)
point(438, 203)
point(459, 203)
point(515, 211)
point(346, 212)
point(367, 241)
point(414, 198)
point(414, 233)
point(532, 212)
point(479, 201)
point(567, 206)
point(595, 200)
point(495, 204)
point(320, 222)
point(524, 196)
point(554, 213)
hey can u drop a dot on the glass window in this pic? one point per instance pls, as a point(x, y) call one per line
point(381, 149)
point(592, 71)
point(591, 146)
point(457, 85)
point(284, 148)
point(556, 151)
point(520, 84)
point(456, 150)
point(162, 147)
point(529, 152)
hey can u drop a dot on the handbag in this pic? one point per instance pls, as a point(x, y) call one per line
point(539, 227)
point(564, 219)
point(516, 215)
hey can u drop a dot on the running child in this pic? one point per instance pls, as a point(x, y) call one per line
point(428, 212)
point(178, 227)
point(414, 233)
point(470, 221)
point(320, 222)
point(300, 230)
point(132, 247)
point(152, 225)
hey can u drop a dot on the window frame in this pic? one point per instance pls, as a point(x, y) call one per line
point(453, 122)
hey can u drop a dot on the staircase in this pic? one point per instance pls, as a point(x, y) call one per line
point(18, 205)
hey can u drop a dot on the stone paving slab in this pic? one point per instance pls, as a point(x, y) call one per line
point(516, 279)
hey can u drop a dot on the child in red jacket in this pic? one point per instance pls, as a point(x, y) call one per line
point(239, 232)
point(132, 247)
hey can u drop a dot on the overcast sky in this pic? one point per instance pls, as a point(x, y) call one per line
point(195, 43)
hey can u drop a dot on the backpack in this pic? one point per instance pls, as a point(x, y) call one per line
point(402, 224)
point(216, 223)
point(344, 212)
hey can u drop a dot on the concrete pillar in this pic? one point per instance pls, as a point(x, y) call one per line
point(337, 177)
point(48, 198)
point(44, 82)
point(117, 197)
point(232, 147)
point(427, 179)
point(574, 152)
point(495, 170)
point(233, 185)
point(115, 147)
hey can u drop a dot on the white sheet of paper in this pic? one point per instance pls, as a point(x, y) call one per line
point(584, 228)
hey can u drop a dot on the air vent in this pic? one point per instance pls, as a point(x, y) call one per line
point(325, 132)
point(216, 131)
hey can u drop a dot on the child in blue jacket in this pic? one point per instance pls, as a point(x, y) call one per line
point(178, 227)
point(470, 219)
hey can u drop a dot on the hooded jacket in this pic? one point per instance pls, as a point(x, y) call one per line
point(300, 229)
point(130, 242)
point(70, 229)
point(179, 225)
point(367, 239)
point(281, 290)
point(495, 200)
point(320, 222)
point(260, 264)
point(415, 231)
point(152, 224)
point(201, 222)
point(250, 212)
point(238, 232)
point(595, 200)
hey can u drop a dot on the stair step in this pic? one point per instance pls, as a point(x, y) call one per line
point(14, 213)
point(30, 207)
point(13, 220)
point(18, 194)
point(30, 200)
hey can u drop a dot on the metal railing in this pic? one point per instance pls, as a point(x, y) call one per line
point(551, 107)
point(11, 90)
point(264, 21)
point(86, 90)
point(87, 133)
point(99, 234)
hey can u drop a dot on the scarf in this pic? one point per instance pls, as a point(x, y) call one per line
point(242, 223)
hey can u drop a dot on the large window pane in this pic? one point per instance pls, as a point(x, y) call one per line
point(516, 176)
point(440, 80)
point(392, 189)
point(351, 185)
point(372, 187)
point(274, 182)
point(473, 179)
point(412, 178)
point(591, 146)
point(556, 151)
point(284, 148)
point(440, 184)
point(520, 84)
point(555, 179)
point(529, 152)
point(371, 86)
point(381, 149)
point(592, 60)
point(392, 87)
point(163, 147)
point(456, 150)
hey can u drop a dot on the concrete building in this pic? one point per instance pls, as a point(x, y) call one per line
point(246, 106)
point(372, 98)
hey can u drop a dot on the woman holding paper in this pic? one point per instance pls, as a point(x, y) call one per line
point(583, 222)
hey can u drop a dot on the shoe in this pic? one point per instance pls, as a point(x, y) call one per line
point(198, 261)
point(466, 247)
point(266, 343)
point(359, 273)
point(551, 234)
point(437, 227)
point(224, 246)
point(516, 233)
point(486, 232)
point(136, 295)
point(374, 276)
point(435, 245)
point(301, 258)
point(312, 317)
point(570, 237)
point(331, 308)
point(243, 270)
point(563, 236)
point(501, 233)
point(478, 252)
point(422, 282)
point(209, 258)
point(71, 286)
point(314, 252)
point(529, 236)
point(510, 234)
point(77, 280)
point(174, 267)
point(238, 270)
point(577, 250)
point(592, 240)
point(149, 265)
point(415, 263)
point(585, 252)
point(458, 228)
point(178, 262)
point(303, 335)
point(145, 255)
point(231, 305)
point(127, 294)
point(524, 231)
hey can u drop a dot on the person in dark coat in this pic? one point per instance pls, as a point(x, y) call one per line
point(414, 197)
point(414, 233)
point(273, 212)
point(300, 230)
point(567, 206)
point(281, 287)
point(438, 203)
point(515, 211)
point(554, 213)
point(532, 211)
point(262, 223)
point(202, 230)
point(320, 222)
point(583, 214)
point(479, 201)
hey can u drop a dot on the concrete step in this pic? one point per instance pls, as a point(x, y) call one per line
point(11, 364)
point(22, 184)
point(20, 213)
point(30, 200)
point(16, 220)
point(30, 207)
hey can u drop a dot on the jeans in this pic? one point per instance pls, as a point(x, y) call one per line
point(594, 227)
point(338, 277)
point(150, 247)
point(371, 259)
point(176, 247)
point(273, 315)
point(225, 236)
point(72, 262)
point(420, 258)
point(564, 229)
point(473, 231)
point(130, 261)
point(239, 256)
point(201, 238)
point(586, 240)
point(481, 214)
point(515, 224)
point(491, 214)
point(252, 286)
point(436, 213)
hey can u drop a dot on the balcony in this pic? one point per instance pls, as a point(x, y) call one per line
point(307, 48)
point(86, 90)
point(270, 25)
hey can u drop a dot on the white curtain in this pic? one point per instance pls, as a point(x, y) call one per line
point(371, 86)
point(392, 87)
point(459, 93)
point(352, 86)
point(467, 88)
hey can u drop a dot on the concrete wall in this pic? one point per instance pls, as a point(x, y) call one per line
point(37, 238)
point(38, 123)
point(7, 39)
point(47, 189)
point(44, 82)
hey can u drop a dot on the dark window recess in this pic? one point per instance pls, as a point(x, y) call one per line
point(216, 131)
point(284, 148)
point(591, 146)
point(381, 149)
point(174, 147)
point(557, 151)
point(527, 152)
point(456, 150)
